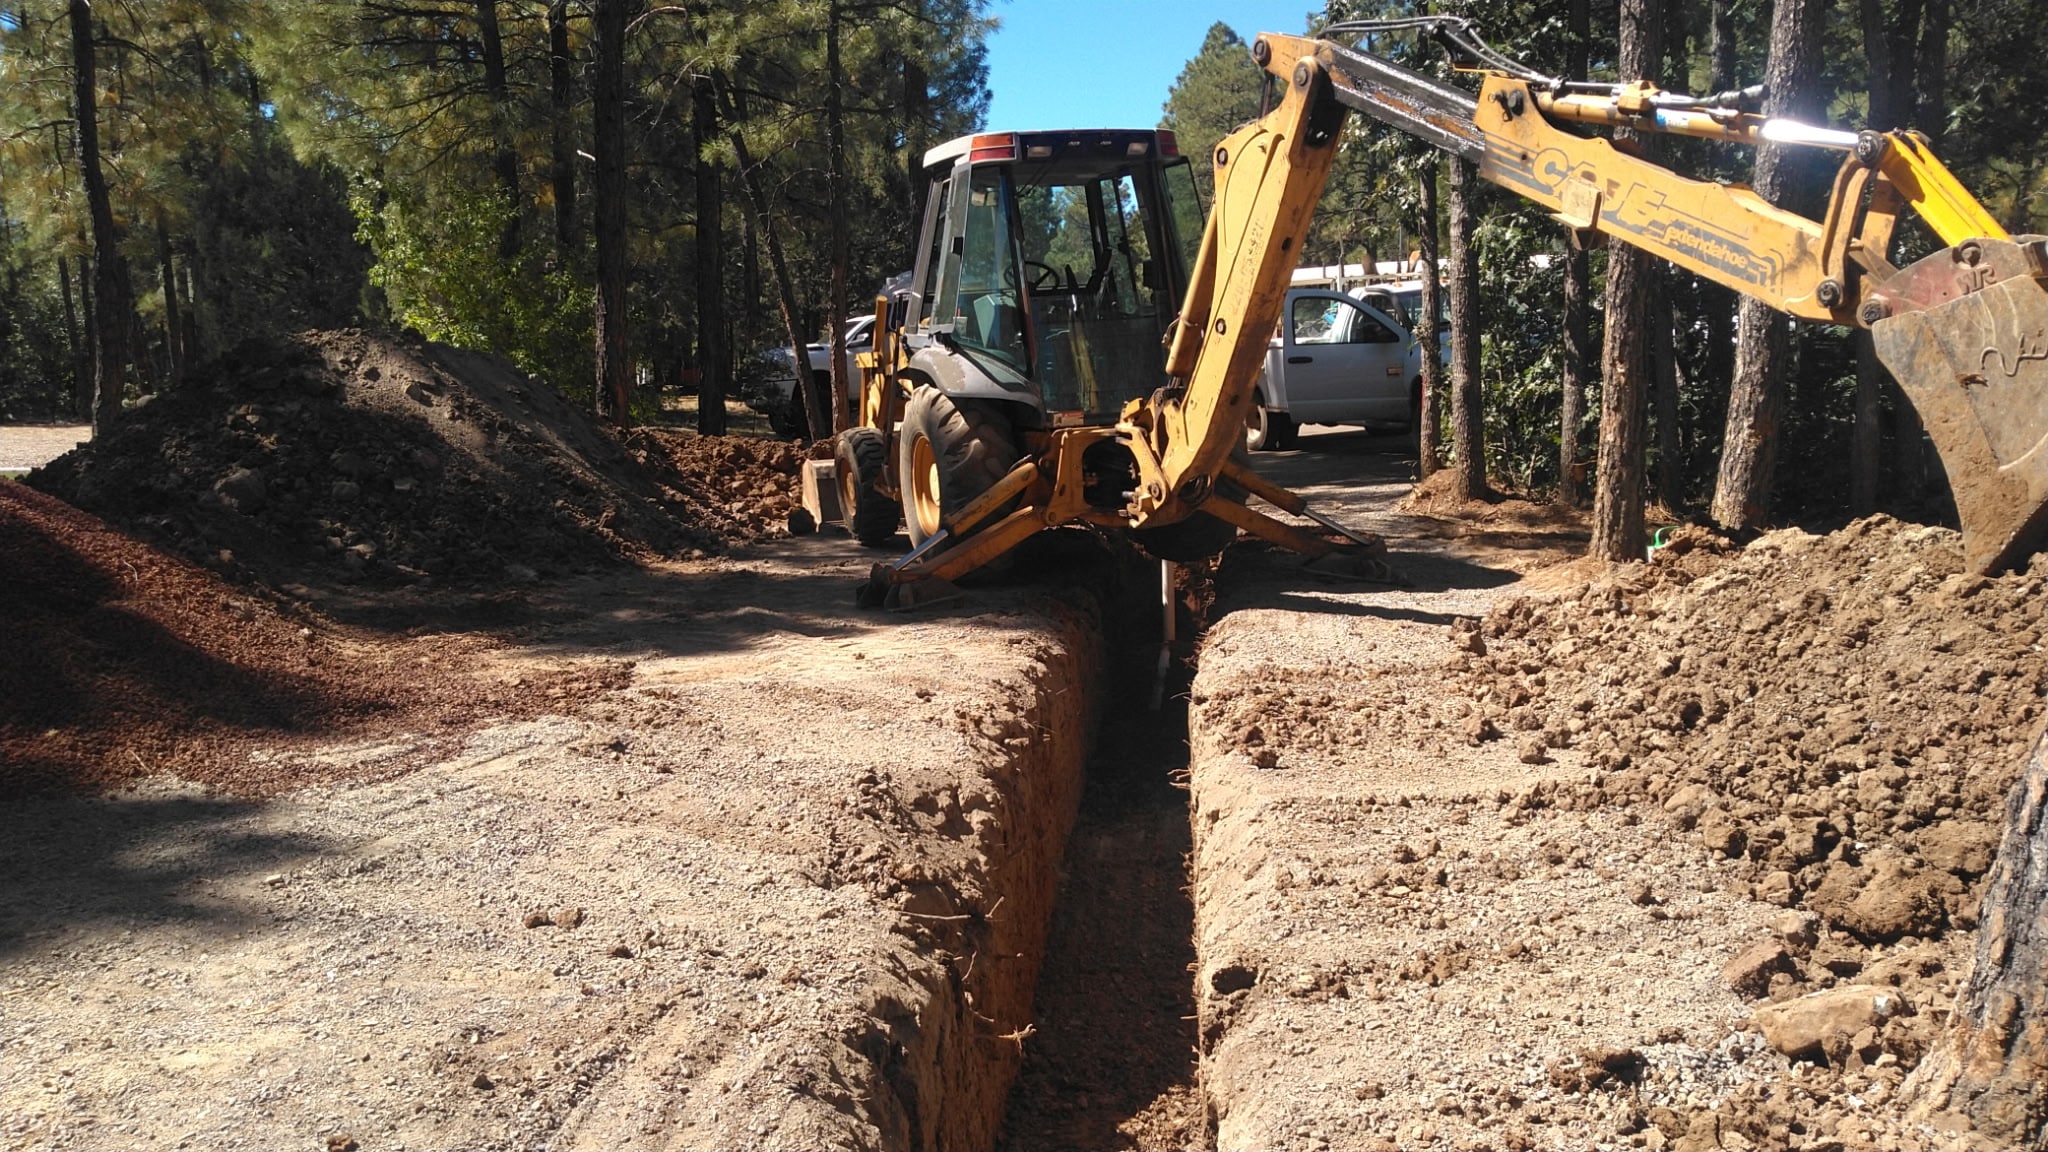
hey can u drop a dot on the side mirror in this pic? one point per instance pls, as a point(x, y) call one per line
point(899, 308)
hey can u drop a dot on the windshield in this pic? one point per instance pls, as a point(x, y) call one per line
point(986, 315)
point(1068, 269)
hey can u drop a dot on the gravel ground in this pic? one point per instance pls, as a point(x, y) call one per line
point(26, 446)
point(786, 888)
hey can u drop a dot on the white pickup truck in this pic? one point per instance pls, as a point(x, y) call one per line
point(1342, 357)
point(773, 392)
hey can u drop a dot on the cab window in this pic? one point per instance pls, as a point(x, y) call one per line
point(1318, 320)
point(1367, 328)
point(986, 314)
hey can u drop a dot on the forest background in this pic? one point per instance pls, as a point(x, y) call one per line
point(631, 199)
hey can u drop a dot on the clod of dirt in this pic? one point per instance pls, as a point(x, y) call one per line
point(350, 456)
point(1829, 1022)
point(1749, 974)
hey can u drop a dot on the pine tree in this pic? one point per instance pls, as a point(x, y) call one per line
point(1217, 92)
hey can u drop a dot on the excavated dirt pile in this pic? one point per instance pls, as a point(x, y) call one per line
point(1844, 712)
point(741, 488)
point(354, 456)
point(1683, 855)
point(1840, 716)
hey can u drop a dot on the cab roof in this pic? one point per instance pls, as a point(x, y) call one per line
point(1061, 142)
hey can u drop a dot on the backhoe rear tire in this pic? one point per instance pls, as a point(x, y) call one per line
point(949, 452)
point(871, 517)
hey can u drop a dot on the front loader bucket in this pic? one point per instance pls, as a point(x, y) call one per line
point(1968, 341)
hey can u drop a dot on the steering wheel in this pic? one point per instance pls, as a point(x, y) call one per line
point(1044, 277)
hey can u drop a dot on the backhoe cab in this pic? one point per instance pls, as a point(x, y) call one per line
point(1018, 383)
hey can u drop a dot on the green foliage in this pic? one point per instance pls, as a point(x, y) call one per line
point(1521, 279)
point(283, 148)
point(1217, 91)
point(195, 166)
point(440, 273)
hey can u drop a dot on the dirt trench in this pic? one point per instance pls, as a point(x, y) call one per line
point(1112, 1063)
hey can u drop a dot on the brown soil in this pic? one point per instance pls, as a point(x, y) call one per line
point(125, 662)
point(350, 456)
point(787, 887)
point(740, 487)
point(1597, 789)
point(1433, 498)
point(1841, 713)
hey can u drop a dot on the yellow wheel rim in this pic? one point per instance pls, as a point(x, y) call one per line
point(849, 496)
point(924, 486)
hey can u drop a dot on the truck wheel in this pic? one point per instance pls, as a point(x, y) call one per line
point(951, 452)
point(1266, 430)
point(790, 421)
point(870, 516)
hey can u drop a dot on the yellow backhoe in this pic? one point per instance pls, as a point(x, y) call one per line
point(1018, 384)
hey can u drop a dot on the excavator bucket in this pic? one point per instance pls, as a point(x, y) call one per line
point(1967, 339)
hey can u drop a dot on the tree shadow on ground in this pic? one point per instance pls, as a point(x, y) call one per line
point(78, 862)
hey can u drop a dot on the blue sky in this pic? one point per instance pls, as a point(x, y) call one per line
point(1108, 63)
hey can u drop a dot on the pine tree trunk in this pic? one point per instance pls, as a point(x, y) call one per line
point(174, 330)
point(504, 158)
point(607, 102)
point(1717, 305)
point(1721, 44)
point(1578, 293)
point(561, 145)
point(1932, 70)
point(200, 324)
point(1624, 357)
point(841, 242)
point(89, 328)
point(1992, 1064)
point(711, 358)
point(1468, 430)
point(1429, 449)
point(1664, 357)
point(115, 302)
point(1883, 43)
point(1742, 495)
point(81, 361)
